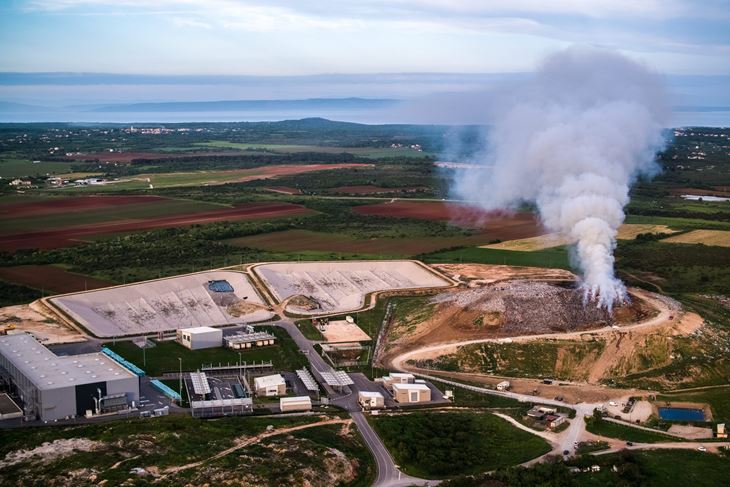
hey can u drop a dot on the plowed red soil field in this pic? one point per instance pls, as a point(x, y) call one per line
point(76, 203)
point(50, 278)
point(369, 189)
point(463, 215)
point(70, 235)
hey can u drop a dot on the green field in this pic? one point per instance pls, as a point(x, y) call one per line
point(627, 433)
point(167, 180)
point(441, 444)
point(556, 257)
point(178, 440)
point(163, 357)
point(371, 152)
point(16, 168)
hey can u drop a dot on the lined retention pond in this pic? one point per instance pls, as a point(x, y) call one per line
point(681, 414)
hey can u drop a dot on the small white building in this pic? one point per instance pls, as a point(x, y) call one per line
point(411, 393)
point(200, 337)
point(270, 385)
point(371, 400)
point(298, 403)
point(503, 386)
point(397, 378)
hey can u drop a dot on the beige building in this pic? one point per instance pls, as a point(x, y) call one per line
point(299, 403)
point(397, 378)
point(270, 385)
point(200, 337)
point(411, 393)
point(371, 400)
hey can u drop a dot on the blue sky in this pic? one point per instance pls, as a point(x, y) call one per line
point(202, 40)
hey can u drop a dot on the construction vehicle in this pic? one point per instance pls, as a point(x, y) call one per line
point(6, 328)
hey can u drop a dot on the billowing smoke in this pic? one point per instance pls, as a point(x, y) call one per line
point(571, 140)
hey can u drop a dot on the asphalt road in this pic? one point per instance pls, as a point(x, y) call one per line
point(388, 474)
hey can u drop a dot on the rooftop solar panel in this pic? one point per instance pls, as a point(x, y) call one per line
point(200, 383)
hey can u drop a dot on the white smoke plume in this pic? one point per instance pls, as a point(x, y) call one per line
point(571, 140)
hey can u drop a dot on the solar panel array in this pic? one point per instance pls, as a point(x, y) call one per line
point(200, 383)
point(308, 380)
point(337, 378)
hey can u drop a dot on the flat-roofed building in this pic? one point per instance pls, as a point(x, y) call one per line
point(397, 378)
point(270, 385)
point(200, 337)
point(299, 403)
point(371, 400)
point(249, 340)
point(411, 393)
point(52, 387)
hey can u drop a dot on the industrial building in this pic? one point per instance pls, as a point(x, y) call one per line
point(411, 393)
point(52, 387)
point(249, 340)
point(371, 400)
point(397, 378)
point(270, 385)
point(200, 337)
point(291, 404)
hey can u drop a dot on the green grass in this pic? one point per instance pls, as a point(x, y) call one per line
point(556, 257)
point(164, 356)
point(309, 330)
point(585, 447)
point(677, 223)
point(439, 445)
point(371, 152)
point(168, 180)
point(17, 168)
point(626, 433)
point(177, 440)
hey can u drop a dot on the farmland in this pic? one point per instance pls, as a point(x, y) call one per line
point(370, 152)
point(206, 178)
point(50, 278)
point(49, 231)
point(705, 237)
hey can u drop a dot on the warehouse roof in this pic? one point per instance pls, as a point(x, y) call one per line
point(370, 394)
point(269, 380)
point(201, 329)
point(49, 371)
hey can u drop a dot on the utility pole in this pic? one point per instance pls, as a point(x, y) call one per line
point(144, 351)
point(180, 379)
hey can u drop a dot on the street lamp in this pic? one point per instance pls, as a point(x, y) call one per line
point(180, 379)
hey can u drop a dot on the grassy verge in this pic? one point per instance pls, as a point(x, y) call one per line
point(627, 433)
point(556, 257)
point(439, 445)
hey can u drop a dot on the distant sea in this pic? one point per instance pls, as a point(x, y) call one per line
point(706, 117)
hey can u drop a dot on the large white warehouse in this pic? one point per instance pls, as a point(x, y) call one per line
point(53, 387)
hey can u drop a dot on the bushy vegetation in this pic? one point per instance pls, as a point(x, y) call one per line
point(437, 445)
point(653, 468)
point(11, 294)
point(178, 440)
